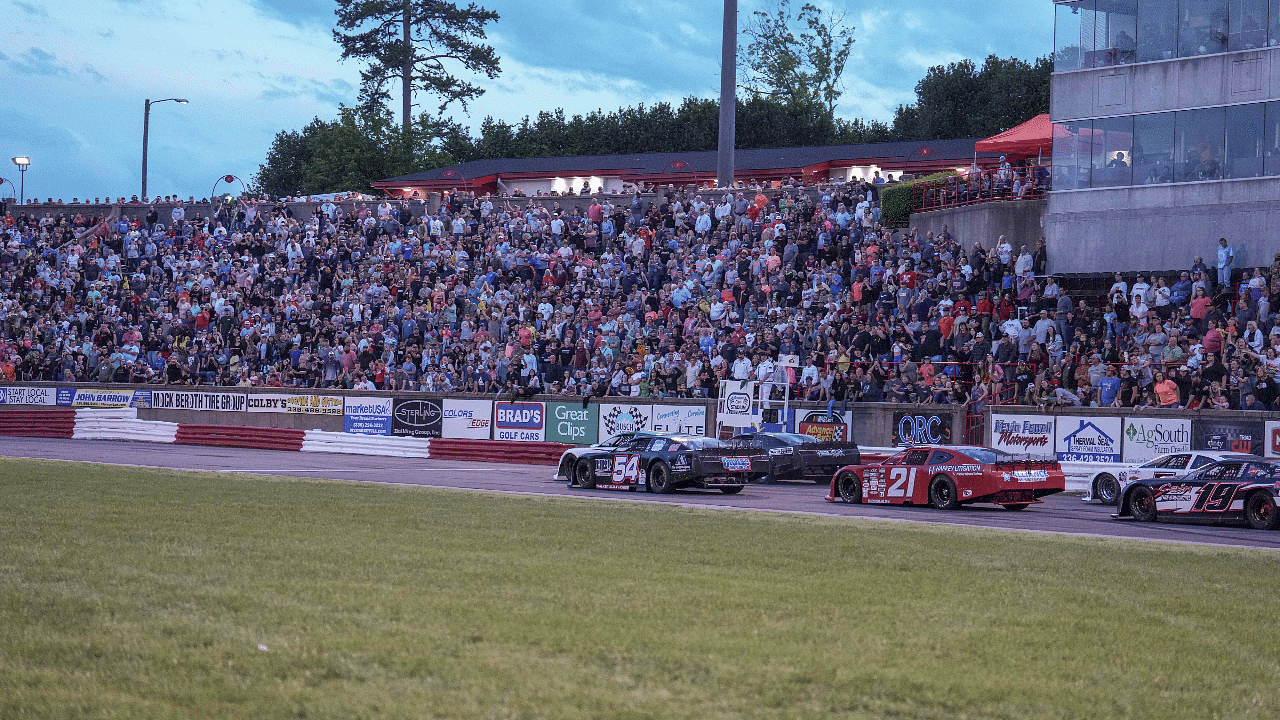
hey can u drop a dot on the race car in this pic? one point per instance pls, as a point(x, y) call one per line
point(1242, 487)
point(569, 458)
point(792, 456)
point(948, 476)
point(1106, 483)
point(663, 464)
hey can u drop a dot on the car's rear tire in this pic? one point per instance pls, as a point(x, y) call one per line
point(584, 474)
point(734, 490)
point(1106, 489)
point(1142, 503)
point(659, 480)
point(1016, 506)
point(1260, 511)
point(850, 488)
point(942, 493)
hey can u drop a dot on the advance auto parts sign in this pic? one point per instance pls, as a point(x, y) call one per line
point(417, 418)
point(828, 428)
point(1028, 434)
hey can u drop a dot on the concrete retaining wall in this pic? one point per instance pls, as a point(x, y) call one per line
point(1022, 222)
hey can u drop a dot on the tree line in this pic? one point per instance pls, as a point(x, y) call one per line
point(788, 96)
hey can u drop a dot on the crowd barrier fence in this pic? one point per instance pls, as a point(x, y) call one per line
point(51, 423)
point(258, 438)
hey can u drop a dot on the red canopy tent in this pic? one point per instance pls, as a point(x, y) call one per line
point(1033, 137)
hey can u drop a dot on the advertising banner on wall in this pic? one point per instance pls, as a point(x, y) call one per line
point(297, 404)
point(1088, 439)
point(417, 418)
point(28, 396)
point(367, 415)
point(104, 398)
point(571, 423)
point(622, 418)
point(829, 428)
point(1233, 435)
point(520, 421)
point(182, 400)
point(921, 429)
point(1271, 437)
point(1026, 434)
point(467, 419)
point(736, 400)
point(1146, 438)
point(683, 419)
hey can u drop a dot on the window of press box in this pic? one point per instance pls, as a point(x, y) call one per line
point(1198, 149)
point(1101, 33)
point(1111, 144)
point(1153, 149)
point(1244, 157)
point(1071, 155)
point(1202, 27)
point(1271, 139)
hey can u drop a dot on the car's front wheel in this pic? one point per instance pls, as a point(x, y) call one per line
point(1142, 503)
point(850, 488)
point(1260, 511)
point(583, 473)
point(1106, 489)
point(942, 493)
point(660, 480)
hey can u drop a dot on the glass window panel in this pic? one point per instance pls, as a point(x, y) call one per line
point(1157, 30)
point(1070, 157)
point(1073, 35)
point(1271, 139)
point(1153, 149)
point(1111, 152)
point(1274, 35)
point(1198, 151)
point(1202, 27)
point(1115, 27)
point(1248, 24)
point(1244, 141)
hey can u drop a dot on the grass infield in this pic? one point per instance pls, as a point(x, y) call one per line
point(155, 594)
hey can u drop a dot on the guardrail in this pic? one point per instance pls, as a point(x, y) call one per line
point(52, 423)
point(497, 451)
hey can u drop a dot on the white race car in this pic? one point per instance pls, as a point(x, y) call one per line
point(1108, 484)
point(564, 471)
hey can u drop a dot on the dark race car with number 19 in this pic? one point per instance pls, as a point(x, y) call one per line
point(792, 456)
point(663, 464)
point(1239, 489)
point(948, 476)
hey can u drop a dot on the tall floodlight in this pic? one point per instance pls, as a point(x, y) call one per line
point(728, 94)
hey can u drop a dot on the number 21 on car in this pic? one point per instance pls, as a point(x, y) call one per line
point(899, 486)
point(626, 470)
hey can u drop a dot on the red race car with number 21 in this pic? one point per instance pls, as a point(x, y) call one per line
point(948, 476)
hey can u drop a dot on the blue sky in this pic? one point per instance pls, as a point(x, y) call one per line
point(74, 74)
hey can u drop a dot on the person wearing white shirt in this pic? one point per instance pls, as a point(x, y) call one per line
point(741, 368)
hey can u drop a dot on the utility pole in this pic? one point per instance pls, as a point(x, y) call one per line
point(728, 94)
point(406, 72)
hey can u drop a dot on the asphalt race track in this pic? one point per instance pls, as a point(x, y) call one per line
point(1059, 514)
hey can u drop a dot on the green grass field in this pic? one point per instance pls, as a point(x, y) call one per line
point(150, 594)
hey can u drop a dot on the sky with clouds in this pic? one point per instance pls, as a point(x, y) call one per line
point(74, 75)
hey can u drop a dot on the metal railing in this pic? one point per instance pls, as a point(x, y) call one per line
point(982, 186)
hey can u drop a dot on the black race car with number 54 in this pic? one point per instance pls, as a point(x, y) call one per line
point(1236, 489)
point(663, 464)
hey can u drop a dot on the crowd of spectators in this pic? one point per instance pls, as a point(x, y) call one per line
point(661, 296)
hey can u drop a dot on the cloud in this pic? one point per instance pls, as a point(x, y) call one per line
point(31, 9)
point(38, 62)
point(331, 93)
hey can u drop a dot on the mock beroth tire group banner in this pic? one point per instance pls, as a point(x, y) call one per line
point(214, 401)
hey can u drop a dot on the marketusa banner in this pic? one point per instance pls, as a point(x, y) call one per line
point(367, 415)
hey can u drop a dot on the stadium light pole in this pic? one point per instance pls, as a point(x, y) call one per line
point(728, 94)
point(22, 161)
point(146, 128)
